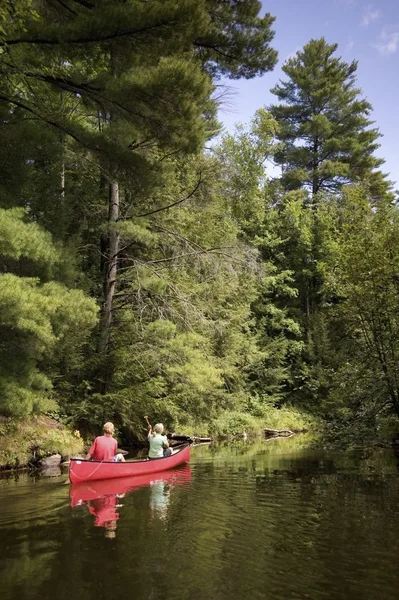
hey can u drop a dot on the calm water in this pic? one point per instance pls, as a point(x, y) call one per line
point(271, 520)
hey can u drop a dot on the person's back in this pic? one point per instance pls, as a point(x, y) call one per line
point(104, 447)
point(159, 446)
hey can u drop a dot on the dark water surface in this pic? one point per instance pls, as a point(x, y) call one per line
point(269, 520)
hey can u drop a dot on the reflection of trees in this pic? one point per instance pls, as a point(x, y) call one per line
point(29, 527)
point(271, 525)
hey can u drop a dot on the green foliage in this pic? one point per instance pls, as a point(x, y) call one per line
point(36, 317)
point(229, 301)
point(233, 423)
point(21, 238)
point(236, 42)
point(258, 416)
point(323, 123)
point(243, 156)
point(360, 271)
point(121, 93)
point(24, 442)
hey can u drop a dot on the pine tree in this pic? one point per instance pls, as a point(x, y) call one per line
point(97, 95)
point(139, 74)
point(324, 123)
point(38, 315)
point(360, 269)
point(245, 187)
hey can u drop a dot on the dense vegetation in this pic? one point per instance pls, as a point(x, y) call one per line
point(149, 265)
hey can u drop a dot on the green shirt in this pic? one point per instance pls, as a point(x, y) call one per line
point(157, 443)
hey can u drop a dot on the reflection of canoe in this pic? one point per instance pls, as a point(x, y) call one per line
point(89, 470)
point(90, 490)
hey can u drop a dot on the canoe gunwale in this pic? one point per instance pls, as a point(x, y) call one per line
point(178, 447)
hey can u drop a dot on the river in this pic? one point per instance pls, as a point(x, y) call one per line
point(272, 520)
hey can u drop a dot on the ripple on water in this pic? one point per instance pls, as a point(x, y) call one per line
point(251, 522)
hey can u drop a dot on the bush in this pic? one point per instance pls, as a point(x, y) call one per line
point(236, 423)
point(251, 422)
point(24, 442)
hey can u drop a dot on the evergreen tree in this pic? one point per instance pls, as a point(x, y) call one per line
point(243, 158)
point(38, 315)
point(360, 270)
point(324, 124)
point(122, 79)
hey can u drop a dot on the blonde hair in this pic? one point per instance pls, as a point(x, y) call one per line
point(158, 428)
point(109, 428)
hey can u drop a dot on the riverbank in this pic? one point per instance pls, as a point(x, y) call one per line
point(236, 424)
point(26, 442)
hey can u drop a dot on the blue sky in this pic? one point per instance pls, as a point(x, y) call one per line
point(365, 31)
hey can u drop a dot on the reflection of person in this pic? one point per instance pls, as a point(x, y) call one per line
point(159, 446)
point(105, 446)
point(105, 511)
point(159, 498)
point(110, 530)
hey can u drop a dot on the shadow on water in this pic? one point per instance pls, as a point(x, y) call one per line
point(271, 520)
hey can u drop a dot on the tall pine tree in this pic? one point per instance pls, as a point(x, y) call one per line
point(324, 123)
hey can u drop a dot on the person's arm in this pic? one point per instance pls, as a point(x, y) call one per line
point(149, 427)
point(165, 443)
point(91, 450)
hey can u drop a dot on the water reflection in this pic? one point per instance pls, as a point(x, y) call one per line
point(159, 500)
point(102, 498)
point(106, 514)
point(267, 521)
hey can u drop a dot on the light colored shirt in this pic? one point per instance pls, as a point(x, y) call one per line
point(157, 443)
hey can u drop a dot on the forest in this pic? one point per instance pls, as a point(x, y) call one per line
point(152, 263)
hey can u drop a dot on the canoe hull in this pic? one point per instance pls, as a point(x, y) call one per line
point(91, 470)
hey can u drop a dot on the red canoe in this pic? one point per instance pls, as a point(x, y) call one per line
point(90, 470)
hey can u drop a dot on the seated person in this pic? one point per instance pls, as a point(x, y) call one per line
point(159, 446)
point(105, 446)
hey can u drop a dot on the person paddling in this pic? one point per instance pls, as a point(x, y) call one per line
point(159, 446)
point(105, 446)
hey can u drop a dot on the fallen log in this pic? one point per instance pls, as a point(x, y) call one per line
point(278, 432)
point(188, 438)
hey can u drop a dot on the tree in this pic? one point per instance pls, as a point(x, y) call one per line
point(139, 75)
point(38, 315)
point(182, 344)
point(245, 187)
point(324, 124)
point(236, 42)
point(360, 271)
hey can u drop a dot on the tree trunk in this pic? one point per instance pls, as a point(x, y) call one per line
point(60, 208)
point(315, 168)
point(111, 266)
point(62, 173)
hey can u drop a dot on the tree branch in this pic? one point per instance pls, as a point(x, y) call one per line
point(153, 212)
point(87, 40)
point(40, 117)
